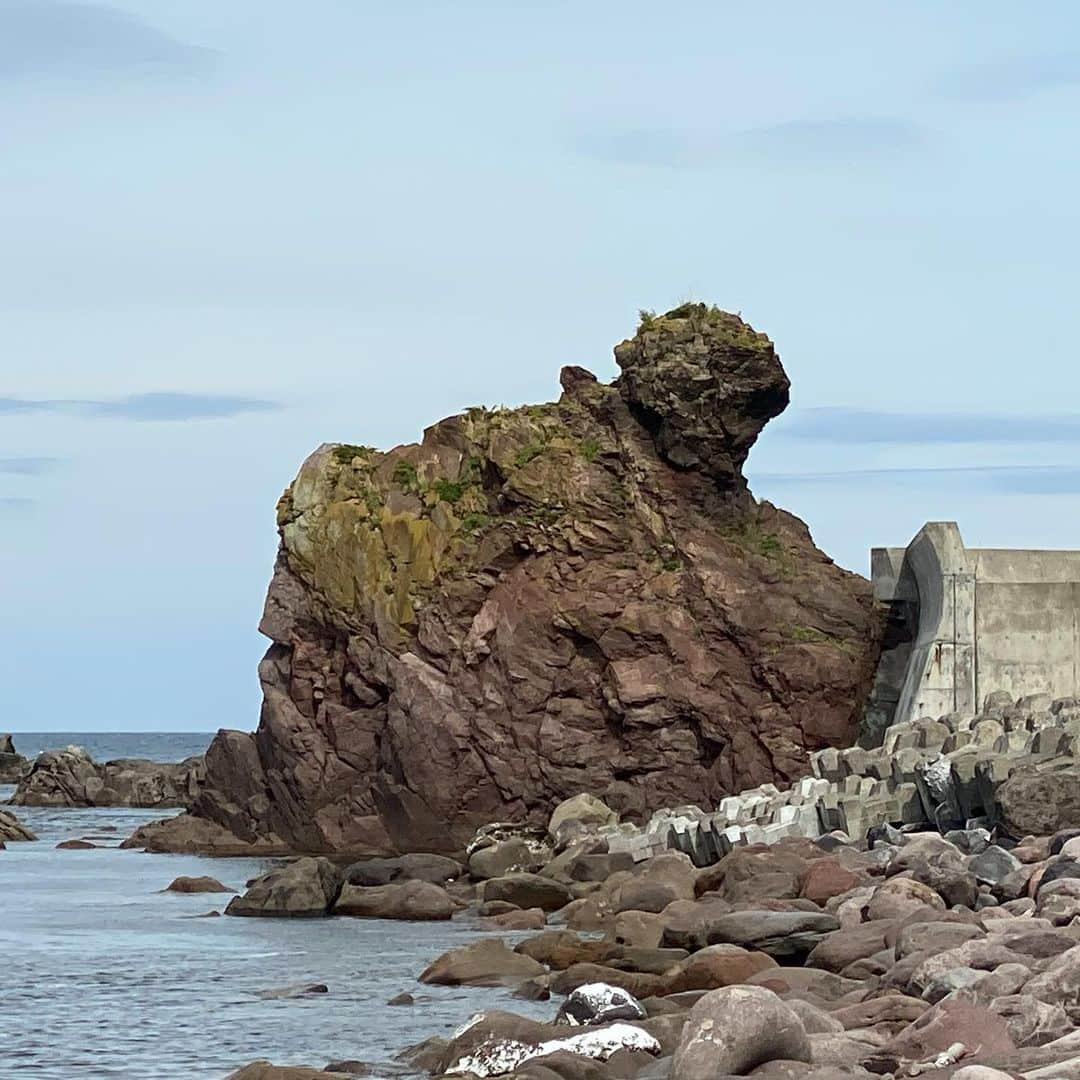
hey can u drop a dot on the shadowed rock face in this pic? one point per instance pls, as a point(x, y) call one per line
point(536, 602)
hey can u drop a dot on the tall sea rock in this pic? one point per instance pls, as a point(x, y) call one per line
point(534, 602)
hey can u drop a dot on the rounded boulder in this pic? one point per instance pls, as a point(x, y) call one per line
point(735, 1029)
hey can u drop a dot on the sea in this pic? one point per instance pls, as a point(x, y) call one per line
point(105, 975)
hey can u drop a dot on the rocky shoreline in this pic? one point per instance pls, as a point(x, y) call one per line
point(896, 951)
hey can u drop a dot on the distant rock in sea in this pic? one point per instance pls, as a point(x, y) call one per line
point(12, 764)
point(71, 777)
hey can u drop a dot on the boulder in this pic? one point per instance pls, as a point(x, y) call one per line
point(12, 829)
point(734, 1030)
point(842, 947)
point(530, 919)
point(993, 865)
point(582, 810)
point(483, 963)
point(899, 897)
point(264, 1070)
point(598, 1003)
point(527, 891)
point(560, 949)
point(301, 889)
point(716, 966)
point(1040, 803)
point(436, 869)
point(203, 884)
point(410, 901)
point(503, 858)
point(826, 878)
point(300, 990)
point(788, 934)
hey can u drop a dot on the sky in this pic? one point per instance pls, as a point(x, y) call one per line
point(232, 232)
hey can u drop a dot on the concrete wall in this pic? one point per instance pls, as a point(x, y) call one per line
point(965, 623)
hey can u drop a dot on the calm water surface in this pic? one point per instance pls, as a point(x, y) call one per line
point(104, 975)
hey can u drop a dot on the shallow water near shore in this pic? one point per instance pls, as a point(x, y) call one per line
point(104, 975)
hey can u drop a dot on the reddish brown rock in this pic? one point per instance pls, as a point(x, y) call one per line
point(539, 602)
point(826, 878)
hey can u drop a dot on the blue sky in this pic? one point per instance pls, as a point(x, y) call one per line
point(234, 231)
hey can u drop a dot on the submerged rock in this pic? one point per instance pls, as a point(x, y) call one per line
point(536, 602)
point(202, 884)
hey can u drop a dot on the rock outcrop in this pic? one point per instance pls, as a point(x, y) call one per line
point(11, 828)
point(12, 764)
point(72, 778)
point(536, 602)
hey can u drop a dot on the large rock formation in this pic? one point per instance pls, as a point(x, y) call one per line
point(536, 602)
point(70, 777)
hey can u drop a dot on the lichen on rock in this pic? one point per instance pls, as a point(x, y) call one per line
point(536, 602)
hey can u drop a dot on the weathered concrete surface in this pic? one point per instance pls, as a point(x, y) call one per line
point(966, 623)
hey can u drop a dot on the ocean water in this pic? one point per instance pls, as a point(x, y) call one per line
point(108, 745)
point(106, 976)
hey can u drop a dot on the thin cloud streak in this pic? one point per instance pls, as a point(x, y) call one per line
point(992, 479)
point(861, 426)
point(28, 466)
point(1010, 78)
point(65, 39)
point(153, 407)
point(837, 139)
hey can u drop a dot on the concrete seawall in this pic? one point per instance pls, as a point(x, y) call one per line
point(968, 622)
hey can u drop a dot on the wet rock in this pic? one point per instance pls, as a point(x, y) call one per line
point(412, 901)
point(733, 1030)
point(402, 999)
point(300, 990)
point(76, 845)
point(264, 1070)
point(483, 963)
point(599, 1003)
point(203, 884)
point(301, 889)
point(527, 891)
